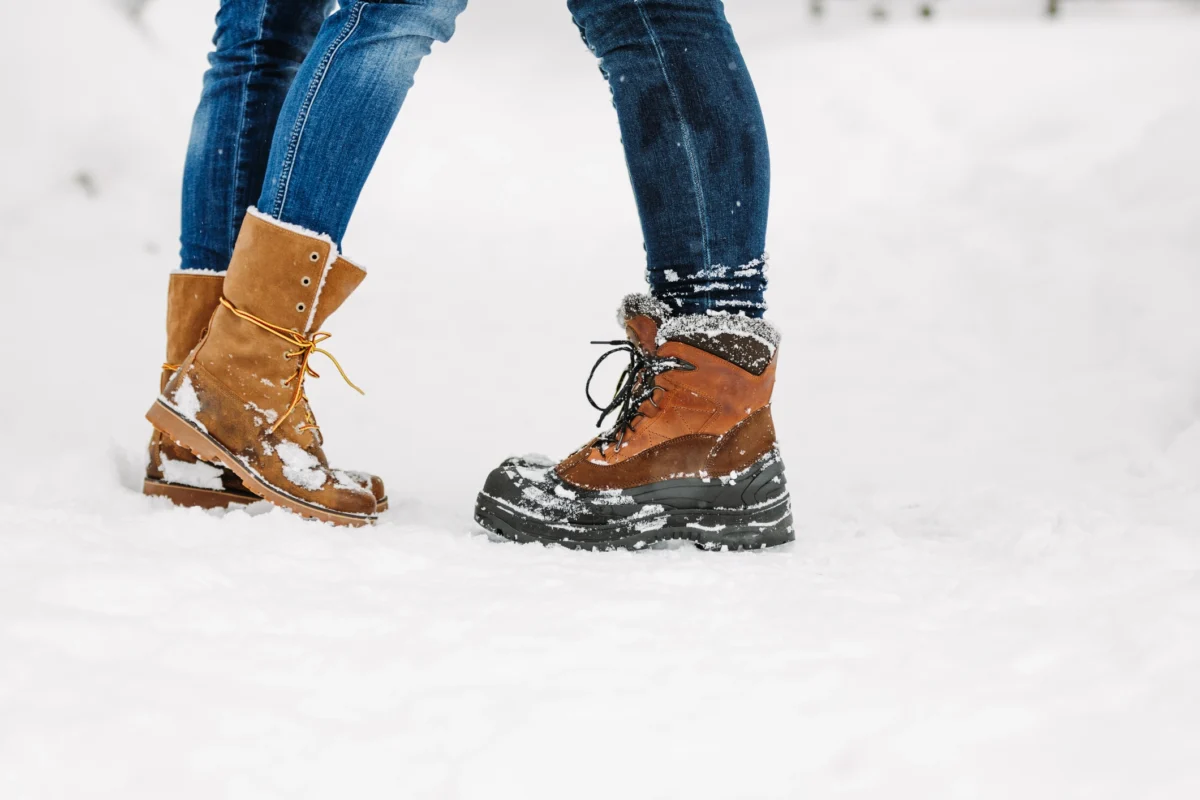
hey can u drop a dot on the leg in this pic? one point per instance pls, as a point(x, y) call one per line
point(342, 106)
point(691, 452)
point(695, 144)
point(258, 46)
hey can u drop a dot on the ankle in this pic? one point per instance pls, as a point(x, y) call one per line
point(719, 288)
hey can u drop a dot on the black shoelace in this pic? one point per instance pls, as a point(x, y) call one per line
point(635, 386)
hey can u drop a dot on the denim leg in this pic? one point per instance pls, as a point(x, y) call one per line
point(342, 105)
point(258, 46)
point(695, 144)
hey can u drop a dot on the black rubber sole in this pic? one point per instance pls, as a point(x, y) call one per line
point(717, 529)
point(526, 502)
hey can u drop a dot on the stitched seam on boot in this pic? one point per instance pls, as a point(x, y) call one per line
point(751, 457)
point(646, 454)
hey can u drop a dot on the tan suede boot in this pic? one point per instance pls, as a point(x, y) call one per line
point(238, 398)
point(172, 471)
point(691, 455)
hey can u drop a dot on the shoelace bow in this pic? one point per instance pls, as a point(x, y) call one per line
point(635, 386)
point(305, 348)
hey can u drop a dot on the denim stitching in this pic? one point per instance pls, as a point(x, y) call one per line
point(310, 97)
point(689, 149)
point(234, 206)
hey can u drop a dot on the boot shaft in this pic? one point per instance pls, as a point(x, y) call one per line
point(192, 297)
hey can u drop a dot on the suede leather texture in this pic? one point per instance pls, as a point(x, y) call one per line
point(239, 371)
point(283, 274)
point(710, 421)
point(191, 300)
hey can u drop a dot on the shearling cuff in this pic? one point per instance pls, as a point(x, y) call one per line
point(749, 342)
point(642, 305)
point(694, 326)
point(745, 341)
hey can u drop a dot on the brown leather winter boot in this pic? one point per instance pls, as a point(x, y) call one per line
point(691, 455)
point(172, 471)
point(238, 398)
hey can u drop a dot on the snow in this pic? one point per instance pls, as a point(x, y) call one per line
point(301, 467)
point(715, 323)
point(330, 259)
point(985, 250)
point(190, 473)
point(269, 414)
point(187, 402)
point(350, 480)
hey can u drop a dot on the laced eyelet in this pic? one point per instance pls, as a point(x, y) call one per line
point(636, 386)
point(314, 256)
point(305, 281)
point(300, 306)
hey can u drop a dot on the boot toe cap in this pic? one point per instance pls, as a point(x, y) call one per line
point(372, 483)
point(351, 501)
point(516, 477)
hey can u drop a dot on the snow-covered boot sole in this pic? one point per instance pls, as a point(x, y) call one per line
point(526, 501)
point(185, 433)
point(196, 497)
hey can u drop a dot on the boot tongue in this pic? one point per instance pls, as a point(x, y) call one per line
point(642, 331)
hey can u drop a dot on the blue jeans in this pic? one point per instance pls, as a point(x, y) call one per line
point(295, 108)
point(695, 144)
point(297, 105)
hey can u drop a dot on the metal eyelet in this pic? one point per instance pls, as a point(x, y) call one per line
point(299, 306)
point(305, 281)
point(314, 256)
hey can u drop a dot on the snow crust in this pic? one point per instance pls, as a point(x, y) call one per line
point(985, 248)
point(641, 304)
point(187, 402)
point(268, 414)
point(354, 481)
point(716, 323)
point(196, 473)
point(301, 467)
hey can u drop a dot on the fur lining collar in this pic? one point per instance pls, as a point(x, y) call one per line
point(714, 323)
point(642, 305)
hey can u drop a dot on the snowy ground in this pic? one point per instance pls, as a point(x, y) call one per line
point(986, 262)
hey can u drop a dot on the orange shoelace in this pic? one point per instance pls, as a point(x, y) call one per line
point(305, 348)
